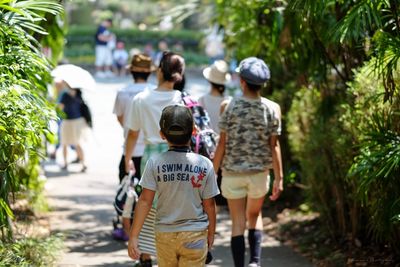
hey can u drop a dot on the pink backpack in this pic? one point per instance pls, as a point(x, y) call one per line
point(203, 137)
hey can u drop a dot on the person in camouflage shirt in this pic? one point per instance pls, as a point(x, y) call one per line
point(248, 148)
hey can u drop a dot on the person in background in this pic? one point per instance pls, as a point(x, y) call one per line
point(120, 58)
point(73, 126)
point(140, 68)
point(103, 37)
point(143, 116)
point(186, 218)
point(162, 47)
point(148, 50)
point(217, 75)
point(247, 149)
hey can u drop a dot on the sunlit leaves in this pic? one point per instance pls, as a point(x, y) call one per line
point(24, 110)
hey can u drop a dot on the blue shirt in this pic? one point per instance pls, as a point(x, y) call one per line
point(72, 106)
point(101, 30)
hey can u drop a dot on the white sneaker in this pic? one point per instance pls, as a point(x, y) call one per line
point(253, 264)
point(100, 75)
point(109, 74)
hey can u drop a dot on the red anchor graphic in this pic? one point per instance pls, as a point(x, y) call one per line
point(200, 177)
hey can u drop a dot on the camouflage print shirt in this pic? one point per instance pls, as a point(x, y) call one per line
point(248, 124)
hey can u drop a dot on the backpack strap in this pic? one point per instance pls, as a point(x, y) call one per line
point(188, 101)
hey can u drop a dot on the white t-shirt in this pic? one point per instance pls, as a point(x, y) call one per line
point(212, 105)
point(120, 56)
point(122, 104)
point(145, 112)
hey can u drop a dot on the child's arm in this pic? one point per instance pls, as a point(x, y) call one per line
point(130, 144)
point(277, 166)
point(209, 208)
point(220, 151)
point(142, 209)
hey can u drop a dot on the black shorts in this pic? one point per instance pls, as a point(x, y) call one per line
point(136, 163)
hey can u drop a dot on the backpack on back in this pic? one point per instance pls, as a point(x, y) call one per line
point(204, 139)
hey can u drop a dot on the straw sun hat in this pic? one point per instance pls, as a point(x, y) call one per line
point(217, 73)
point(141, 63)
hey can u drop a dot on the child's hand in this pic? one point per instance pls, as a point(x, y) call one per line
point(130, 167)
point(210, 240)
point(277, 189)
point(133, 248)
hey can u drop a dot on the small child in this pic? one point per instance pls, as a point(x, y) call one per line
point(185, 184)
point(120, 58)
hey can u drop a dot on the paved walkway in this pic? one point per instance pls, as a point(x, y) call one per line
point(82, 203)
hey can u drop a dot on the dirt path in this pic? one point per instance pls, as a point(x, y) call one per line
point(82, 203)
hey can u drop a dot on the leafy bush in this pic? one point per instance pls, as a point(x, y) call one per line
point(135, 37)
point(80, 43)
point(361, 134)
point(24, 110)
point(376, 169)
point(323, 148)
point(31, 252)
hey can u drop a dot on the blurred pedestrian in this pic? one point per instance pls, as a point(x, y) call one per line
point(248, 148)
point(215, 48)
point(73, 126)
point(162, 47)
point(120, 58)
point(186, 218)
point(144, 116)
point(104, 39)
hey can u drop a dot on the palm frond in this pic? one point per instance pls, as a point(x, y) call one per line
point(27, 14)
point(358, 21)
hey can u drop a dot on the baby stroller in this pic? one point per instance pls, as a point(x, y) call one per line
point(126, 197)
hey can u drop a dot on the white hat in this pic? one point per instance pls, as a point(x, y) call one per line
point(217, 73)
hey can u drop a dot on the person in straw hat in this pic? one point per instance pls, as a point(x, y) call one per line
point(141, 67)
point(217, 75)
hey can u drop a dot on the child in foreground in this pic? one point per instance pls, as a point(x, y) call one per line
point(185, 184)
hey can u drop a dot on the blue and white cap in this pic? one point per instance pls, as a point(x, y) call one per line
point(254, 70)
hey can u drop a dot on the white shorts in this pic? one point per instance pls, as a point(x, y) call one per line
point(252, 185)
point(103, 56)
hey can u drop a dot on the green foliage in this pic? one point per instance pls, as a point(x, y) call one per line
point(31, 252)
point(133, 37)
point(24, 110)
point(313, 49)
point(80, 43)
point(376, 168)
point(360, 134)
point(321, 145)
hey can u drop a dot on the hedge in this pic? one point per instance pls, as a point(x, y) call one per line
point(80, 42)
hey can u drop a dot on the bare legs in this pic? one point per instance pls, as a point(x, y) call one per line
point(80, 154)
point(242, 210)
